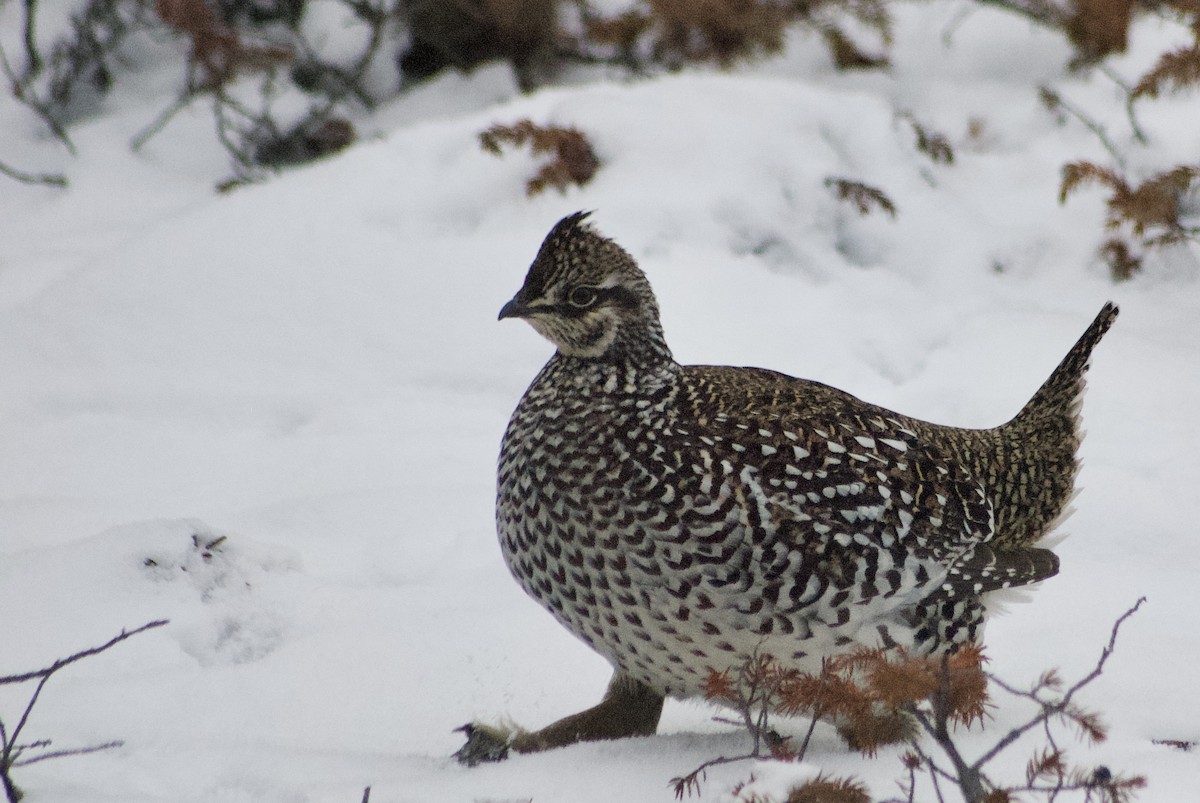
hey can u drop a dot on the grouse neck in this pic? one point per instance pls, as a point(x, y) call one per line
point(618, 371)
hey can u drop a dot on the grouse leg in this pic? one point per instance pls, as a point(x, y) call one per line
point(629, 708)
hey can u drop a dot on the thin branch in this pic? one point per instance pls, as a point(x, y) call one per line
point(160, 122)
point(33, 61)
point(48, 179)
point(7, 754)
point(1106, 653)
point(1050, 709)
point(79, 656)
point(20, 91)
point(817, 714)
point(10, 750)
point(690, 783)
point(1130, 101)
point(966, 776)
point(21, 748)
point(77, 751)
point(1091, 125)
point(956, 22)
point(1038, 11)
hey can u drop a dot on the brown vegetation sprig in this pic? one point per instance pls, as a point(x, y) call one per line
point(672, 33)
point(877, 697)
point(573, 161)
point(846, 53)
point(240, 56)
point(218, 51)
point(932, 143)
point(864, 197)
point(1097, 30)
point(821, 789)
point(1149, 212)
point(1175, 71)
point(1048, 772)
point(866, 693)
point(716, 30)
point(1150, 209)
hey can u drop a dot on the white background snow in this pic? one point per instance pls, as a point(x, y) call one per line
point(312, 368)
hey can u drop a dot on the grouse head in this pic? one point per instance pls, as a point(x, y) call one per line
point(587, 296)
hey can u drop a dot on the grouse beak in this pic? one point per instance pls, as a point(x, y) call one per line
point(513, 309)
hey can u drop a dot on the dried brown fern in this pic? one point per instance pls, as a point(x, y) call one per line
point(621, 32)
point(1175, 71)
point(573, 161)
point(933, 144)
point(217, 48)
point(938, 695)
point(673, 33)
point(1048, 773)
point(846, 53)
point(1098, 28)
point(717, 30)
point(829, 789)
point(1149, 210)
point(864, 197)
point(868, 693)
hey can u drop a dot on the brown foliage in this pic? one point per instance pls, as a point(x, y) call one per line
point(717, 30)
point(932, 143)
point(846, 54)
point(305, 143)
point(1174, 72)
point(864, 197)
point(1098, 27)
point(573, 161)
point(1150, 210)
point(621, 31)
point(866, 692)
point(466, 33)
point(216, 47)
point(935, 694)
point(676, 32)
point(824, 789)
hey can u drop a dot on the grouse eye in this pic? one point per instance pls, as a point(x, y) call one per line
point(583, 297)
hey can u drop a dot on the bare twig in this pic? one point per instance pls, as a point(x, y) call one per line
point(690, 784)
point(79, 656)
point(11, 750)
point(937, 724)
point(1055, 102)
point(1050, 709)
point(159, 123)
point(22, 91)
point(33, 60)
point(75, 751)
point(1049, 773)
point(49, 179)
point(1038, 11)
point(1130, 101)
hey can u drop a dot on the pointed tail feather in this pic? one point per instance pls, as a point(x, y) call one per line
point(1037, 452)
point(1063, 391)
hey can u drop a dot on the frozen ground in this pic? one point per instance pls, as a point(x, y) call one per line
point(312, 368)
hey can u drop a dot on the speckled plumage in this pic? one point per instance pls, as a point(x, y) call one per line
point(680, 518)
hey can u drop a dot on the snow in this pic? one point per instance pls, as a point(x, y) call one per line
point(312, 369)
